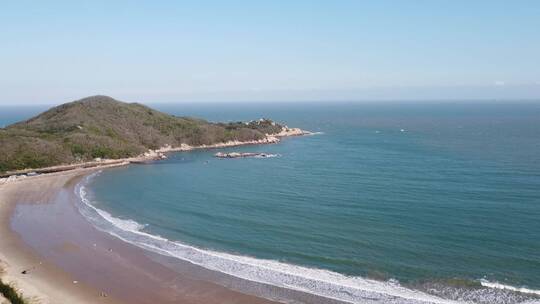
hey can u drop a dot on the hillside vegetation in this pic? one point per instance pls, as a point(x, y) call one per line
point(103, 127)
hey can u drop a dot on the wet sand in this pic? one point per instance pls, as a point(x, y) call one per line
point(43, 282)
point(67, 260)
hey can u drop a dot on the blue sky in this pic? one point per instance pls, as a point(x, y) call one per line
point(172, 51)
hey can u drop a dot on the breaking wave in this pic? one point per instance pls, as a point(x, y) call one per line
point(498, 285)
point(324, 283)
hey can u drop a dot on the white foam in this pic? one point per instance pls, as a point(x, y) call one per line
point(124, 224)
point(267, 156)
point(498, 285)
point(128, 225)
point(320, 282)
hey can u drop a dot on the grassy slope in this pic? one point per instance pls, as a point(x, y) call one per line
point(100, 126)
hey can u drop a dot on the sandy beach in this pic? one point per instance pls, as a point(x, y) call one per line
point(66, 260)
point(43, 283)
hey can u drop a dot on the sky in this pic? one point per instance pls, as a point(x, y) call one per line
point(175, 51)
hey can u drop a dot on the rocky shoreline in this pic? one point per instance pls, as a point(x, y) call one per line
point(286, 131)
point(153, 155)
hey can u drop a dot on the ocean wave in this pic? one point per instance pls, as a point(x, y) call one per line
point(319, 282)
point(473, 291)
point(128, 225)
point(498, 285)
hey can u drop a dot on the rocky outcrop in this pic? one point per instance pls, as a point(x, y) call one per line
point(233, 143)
point(286, 131)
point(268, 139)
point(246, 154)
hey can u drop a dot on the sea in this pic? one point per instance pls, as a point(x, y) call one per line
point(395, 202)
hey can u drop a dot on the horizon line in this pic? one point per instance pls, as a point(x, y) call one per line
point(288, 101)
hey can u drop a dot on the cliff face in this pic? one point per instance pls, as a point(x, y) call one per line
point(100, 126)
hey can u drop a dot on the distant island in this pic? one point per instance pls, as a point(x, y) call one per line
point(100, 129)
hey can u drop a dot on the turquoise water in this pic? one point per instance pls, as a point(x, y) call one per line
point(438, 197)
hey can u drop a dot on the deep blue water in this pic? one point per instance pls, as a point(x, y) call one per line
point(416, 193)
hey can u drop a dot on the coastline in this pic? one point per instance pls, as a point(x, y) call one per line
point(150, 155)
point(86, 265)
point(26, 202)
point(46, 282)
point(90, 266)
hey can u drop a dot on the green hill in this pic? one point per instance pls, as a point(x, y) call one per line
point(100, 126)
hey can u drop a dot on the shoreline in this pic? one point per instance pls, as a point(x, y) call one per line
point(82, 264)
point(150, 155)
point(59, 272)
point(52, 280)
point(45, 282)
